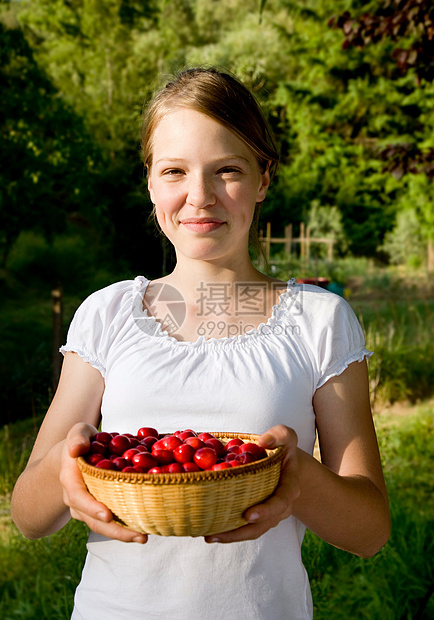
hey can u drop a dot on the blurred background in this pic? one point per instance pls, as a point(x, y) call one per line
point(347, 87)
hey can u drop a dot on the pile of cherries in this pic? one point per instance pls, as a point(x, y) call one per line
point(184, 451)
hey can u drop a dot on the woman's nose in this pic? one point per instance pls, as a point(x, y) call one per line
point(200, 192)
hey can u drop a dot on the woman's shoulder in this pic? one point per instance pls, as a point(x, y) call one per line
point(114, 300)
point(313, 302)
point(116, 291)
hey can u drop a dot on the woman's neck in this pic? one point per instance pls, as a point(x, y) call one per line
point(189, 275)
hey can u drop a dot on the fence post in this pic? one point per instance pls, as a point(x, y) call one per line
point(302, 248)
point(56, 357)
point(288, 238)
point(268, 241)
point(330, 253)
point(430, 256)
point(308, 243)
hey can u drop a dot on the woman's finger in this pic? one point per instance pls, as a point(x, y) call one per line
point(79, 438)
point(267, 515)
point(112, 529)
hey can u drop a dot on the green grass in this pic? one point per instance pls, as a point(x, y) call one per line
point(396, 584)
point(400, 334)
point(38, 578)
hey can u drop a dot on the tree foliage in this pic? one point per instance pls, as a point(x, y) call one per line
point(396, 20)
point(346, 116)
point(409, 26)
point(46, 158)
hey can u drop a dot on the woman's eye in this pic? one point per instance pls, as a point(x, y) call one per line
point(172, 172)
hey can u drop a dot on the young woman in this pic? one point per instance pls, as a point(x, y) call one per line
point(231, 350)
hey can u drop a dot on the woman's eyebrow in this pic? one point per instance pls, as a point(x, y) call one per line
point(220, 160)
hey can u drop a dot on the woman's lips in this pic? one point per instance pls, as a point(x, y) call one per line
point(202, 226)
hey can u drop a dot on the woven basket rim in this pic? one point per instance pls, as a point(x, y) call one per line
point(274, 455)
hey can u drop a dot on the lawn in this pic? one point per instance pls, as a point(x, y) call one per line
point(38, 578)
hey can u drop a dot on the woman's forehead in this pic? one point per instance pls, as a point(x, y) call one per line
point(184, 130)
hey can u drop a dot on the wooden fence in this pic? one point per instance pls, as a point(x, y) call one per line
point(305, 241)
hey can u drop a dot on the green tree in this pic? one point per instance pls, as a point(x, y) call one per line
point(407, 26)
point(47, 162)
point(334, 110)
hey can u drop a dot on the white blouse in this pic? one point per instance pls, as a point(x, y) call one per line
point(245, 383)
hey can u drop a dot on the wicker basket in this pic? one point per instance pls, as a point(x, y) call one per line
point(186, 504)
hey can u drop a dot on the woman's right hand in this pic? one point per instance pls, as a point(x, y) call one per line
point(81, 504)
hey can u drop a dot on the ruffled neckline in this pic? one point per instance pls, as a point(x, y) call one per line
point(151, 327)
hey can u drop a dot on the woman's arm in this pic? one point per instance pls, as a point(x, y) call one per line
point(51, 489)
point(343, 499)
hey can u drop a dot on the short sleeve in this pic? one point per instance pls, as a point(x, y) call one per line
point(335, 335)
point(342, 343)
point(85, 332)
point(98, 320)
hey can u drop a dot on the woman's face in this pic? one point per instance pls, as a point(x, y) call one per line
point(204, 183)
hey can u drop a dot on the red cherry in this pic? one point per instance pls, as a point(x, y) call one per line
point(94, 459)
point(234, 442)
point(144, 460)
point(234, 463)
point(163, 457)
point(158, 445)
point(205, 436)
point(195, 442)
point(191, 467)
point(119, 463)
point(148, 442)
point(257, 451)
point(184, 434)
point(217, 445)
point(155, 470)
point(223, 465)
point(245, 457)
point(170, 442)
point(130, 470)
point(174, 468)
point(134, 442)
point(128, 454)
point(184, 453)
point(104, 438)
point(96, 447)
point(119, 444)
point(146, 431)
point(105, 464)
point(205, 458)
point(230, 456)
point(234, 450)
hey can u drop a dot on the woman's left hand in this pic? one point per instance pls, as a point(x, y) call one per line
point(265, 516)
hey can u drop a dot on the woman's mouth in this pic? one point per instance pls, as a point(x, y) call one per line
point(205, 225)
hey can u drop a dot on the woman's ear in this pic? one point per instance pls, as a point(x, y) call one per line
point(265, 184)
point(150, 190)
